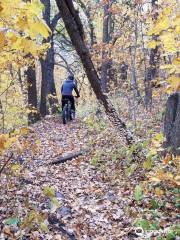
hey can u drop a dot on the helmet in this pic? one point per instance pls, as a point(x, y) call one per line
point(71, 76)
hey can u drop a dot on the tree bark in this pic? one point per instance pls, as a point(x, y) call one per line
point(86, 10)
point(48, 89)
point(151, 71)
point(172, 123)
point(48, 84)
point(32, 94)
point(134, 84)
point(74, 28)
point(106, 67)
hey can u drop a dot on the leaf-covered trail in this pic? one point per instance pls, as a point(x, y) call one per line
point(95, 191)
point(92, 207)
point(96, 200)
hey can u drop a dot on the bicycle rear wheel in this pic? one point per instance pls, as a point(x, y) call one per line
point(65, 114)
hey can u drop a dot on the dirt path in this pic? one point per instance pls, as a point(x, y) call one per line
point(96, 202)
point(91, 207)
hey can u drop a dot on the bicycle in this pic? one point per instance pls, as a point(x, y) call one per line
point(67, 114)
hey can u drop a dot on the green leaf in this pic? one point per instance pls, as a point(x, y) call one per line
point(16, 167)
point(131, 169)
point(44, 227)
point(154, 226)
point(12, 221)
point(147, 164)
point(154, 204)
point(159, 137)
point(94, 161)
point(176, 190)
point(171, 236)
point(143, 223)
point(177, 204)
point(54, 204)
point(49, 191)
point(138, 193)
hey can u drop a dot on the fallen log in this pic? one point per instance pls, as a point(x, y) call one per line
point(67, 157)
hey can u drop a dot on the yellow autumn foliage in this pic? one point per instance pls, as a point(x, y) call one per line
point(22, 31)
point(6, 141)
point(168, 41)
point(22, 34)
point(153, 44)
point(167, 29)
point(174, 82)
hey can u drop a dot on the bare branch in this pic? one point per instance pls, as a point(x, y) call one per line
point(6, 162)
point(54, 21)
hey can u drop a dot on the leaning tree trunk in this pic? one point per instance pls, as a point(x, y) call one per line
point(32, 94)
point(75, 30)
point(172, 123)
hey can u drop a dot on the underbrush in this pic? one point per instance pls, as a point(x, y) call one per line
point(152, 182)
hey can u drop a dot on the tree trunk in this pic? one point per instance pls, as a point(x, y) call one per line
point(22, 83)
point(106, 67)
point(134, 84)
point(32, 94)
point(87, 10)
point(74, 28)
point(43, 102)
point(151, 71)
point(48, 89)
point(172, 123)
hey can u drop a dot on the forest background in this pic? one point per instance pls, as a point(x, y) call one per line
point(125, 58)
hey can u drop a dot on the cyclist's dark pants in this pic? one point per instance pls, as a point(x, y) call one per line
point(71, 98)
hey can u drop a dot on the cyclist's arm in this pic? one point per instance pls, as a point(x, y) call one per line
point(76, 90)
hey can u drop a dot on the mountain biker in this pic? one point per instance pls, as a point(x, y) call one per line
point(66, 90)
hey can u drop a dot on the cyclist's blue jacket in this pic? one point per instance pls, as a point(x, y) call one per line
point(68, 87)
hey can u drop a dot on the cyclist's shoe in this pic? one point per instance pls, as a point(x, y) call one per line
point(72, 114)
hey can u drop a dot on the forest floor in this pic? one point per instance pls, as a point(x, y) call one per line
point(89, 197)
